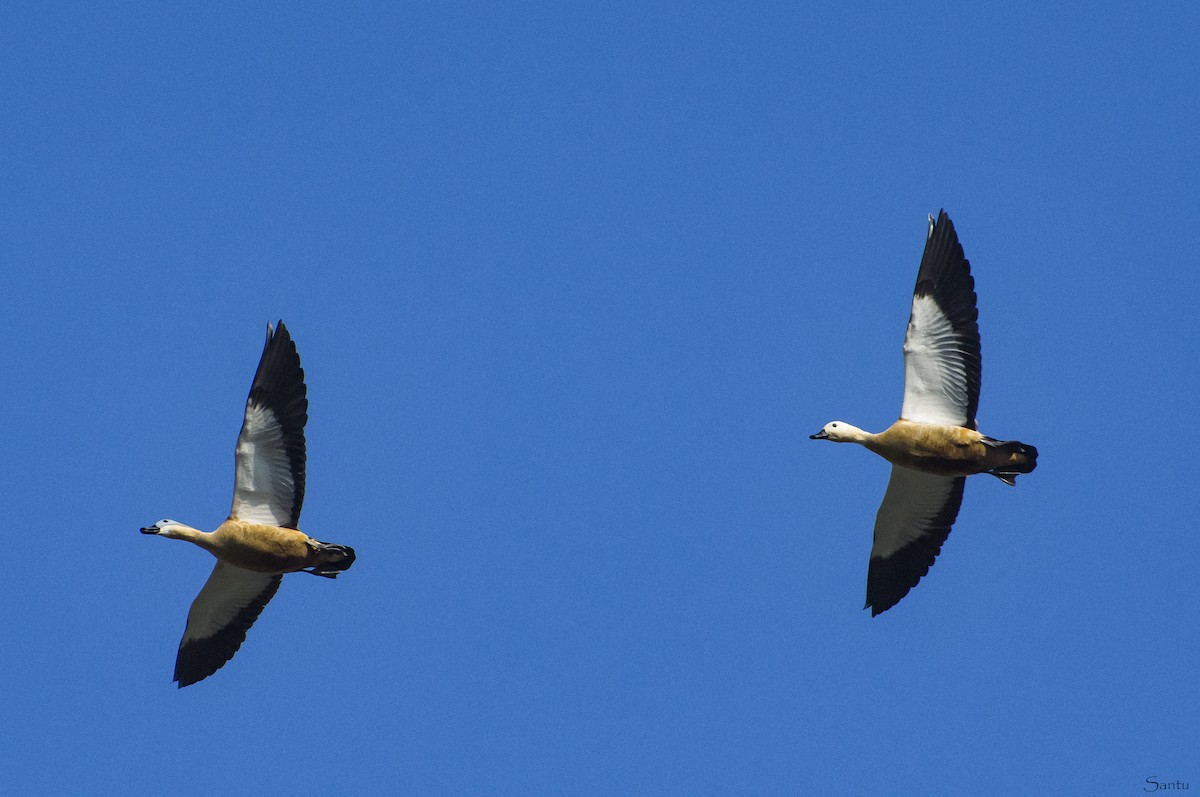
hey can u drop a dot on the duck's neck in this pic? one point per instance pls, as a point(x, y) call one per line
point(866, 439)
point(178, 531)
point(852, 434)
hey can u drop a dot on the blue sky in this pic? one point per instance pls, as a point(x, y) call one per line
point(571, 288)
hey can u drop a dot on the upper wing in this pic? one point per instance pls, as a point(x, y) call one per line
point(268, 483)
point(941, 348)
point(226, 607)
point(914, 520)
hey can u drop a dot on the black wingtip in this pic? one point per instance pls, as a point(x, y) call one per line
point(942, 240)
point(881, 607)
point(276, 330)
point(181, 680)
point(883, 596)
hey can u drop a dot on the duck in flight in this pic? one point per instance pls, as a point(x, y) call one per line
point(936, 444)
point(260, 541)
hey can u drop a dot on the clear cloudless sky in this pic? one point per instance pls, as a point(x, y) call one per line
point(572, 284)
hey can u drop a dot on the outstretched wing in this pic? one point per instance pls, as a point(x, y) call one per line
point(222, 613)
point(268, 483)
point(941, 348)
point(913, 522)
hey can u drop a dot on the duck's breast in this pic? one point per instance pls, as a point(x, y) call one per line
point(933, 448)
point(264, 549)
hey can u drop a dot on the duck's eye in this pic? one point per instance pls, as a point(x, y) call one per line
point(833, 426)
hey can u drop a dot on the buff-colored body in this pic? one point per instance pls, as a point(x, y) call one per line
point(257, 547)
point(932, 448)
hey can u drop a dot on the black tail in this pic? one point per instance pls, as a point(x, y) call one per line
point(1021, 458)
point(335, 559)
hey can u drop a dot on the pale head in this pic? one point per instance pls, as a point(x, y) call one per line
point(839, 432)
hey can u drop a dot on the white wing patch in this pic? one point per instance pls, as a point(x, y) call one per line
point(263, 489)
point(935, 373)
point(227, 592)
point(911, 508)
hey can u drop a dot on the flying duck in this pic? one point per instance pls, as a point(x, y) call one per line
point(936, 444)
point(261, 540)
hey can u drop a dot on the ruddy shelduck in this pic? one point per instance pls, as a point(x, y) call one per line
point(261, 540)
point(936, 444)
